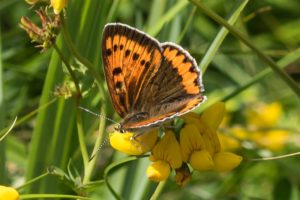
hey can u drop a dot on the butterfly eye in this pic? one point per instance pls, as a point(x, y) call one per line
point(119, 128)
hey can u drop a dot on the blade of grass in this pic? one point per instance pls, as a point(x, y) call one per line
point(29, 115)
point(3, 174)
point(288, 59)
point(187, 24)
point(156, 11)
point(212, 50)
point(154, 30)
point(46, 148)
point(112, 10)
point(113, 167)
point(292, 84)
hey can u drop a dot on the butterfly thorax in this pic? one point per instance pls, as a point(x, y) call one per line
point(131, 118)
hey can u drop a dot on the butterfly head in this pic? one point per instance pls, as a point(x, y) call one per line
point(126, 124)
point(119, 128)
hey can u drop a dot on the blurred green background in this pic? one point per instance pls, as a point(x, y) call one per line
point(28, 78)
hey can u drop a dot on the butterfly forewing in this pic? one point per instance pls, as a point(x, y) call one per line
point(127, 55)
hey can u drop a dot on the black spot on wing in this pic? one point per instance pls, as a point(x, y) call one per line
point(117, 71)
point(147, 65)
point(127, 53)
point(115, 48)
point(108, 52)
point(119, 85)
point(135, 56)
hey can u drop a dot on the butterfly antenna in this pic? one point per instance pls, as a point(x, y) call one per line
point(95, 153)
point(106, 139)
point(98, 115)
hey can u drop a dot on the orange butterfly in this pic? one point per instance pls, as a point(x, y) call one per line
point(149, 82)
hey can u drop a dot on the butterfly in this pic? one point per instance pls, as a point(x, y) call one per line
point(148, 82)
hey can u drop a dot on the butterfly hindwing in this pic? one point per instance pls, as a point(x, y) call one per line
point(173, 90)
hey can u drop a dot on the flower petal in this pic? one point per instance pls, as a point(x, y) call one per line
point(226, 161)
point(58, 5)
point(210, 137)
point(133, 145)
point(191, 118)
point(167, 149)
point(213, 115)
point(201, 160)
point(158, 171)
point(8, 193)
point(190, 140)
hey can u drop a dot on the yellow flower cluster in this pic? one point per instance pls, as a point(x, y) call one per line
point(261, 120)
point(8, 193)
point(198, 145)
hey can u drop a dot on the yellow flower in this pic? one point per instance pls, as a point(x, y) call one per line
point(183, 175)
point(8, 193)
point(226, 161)
point(199, 142)
point(167, 149)
point(165, 155)
point(273, 140)
point(264, 115)
point(201, 160)
point(58, 5)
point(200, 132)
point(239, 132)
point(213, 115)
point(133, 145)
point(190, 140)
point(158, 171)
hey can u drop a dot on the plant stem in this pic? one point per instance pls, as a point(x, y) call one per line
point(81, 59)
point(52, 196)
point(62, 57)
point(275, 157)
point(82, 145)
point(97, 145)
point(32, 181)
point(88, 166)
point(158, 190)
